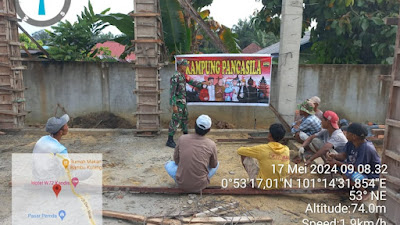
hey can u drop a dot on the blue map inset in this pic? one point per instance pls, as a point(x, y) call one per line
point(42, 10)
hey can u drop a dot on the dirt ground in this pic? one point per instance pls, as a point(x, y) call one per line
point(130, 160)
point(100, 120)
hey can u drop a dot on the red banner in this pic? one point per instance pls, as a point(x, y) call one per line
point(232, 79)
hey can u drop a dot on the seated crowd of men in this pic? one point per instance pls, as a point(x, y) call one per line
point(195, 156)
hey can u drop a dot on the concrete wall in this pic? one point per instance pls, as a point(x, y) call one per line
point(81, 87)
point(354, 91)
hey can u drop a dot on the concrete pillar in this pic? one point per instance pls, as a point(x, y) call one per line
point(289, 51)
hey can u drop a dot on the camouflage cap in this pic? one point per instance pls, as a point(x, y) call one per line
point(182, 62)
point(307, 107)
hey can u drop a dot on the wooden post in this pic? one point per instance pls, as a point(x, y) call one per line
point(391, 152)
point(12, 101)
point(148, 44)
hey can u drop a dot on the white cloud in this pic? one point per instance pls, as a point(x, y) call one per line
point(226, 12)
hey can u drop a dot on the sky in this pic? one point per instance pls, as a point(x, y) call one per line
point(238, 9)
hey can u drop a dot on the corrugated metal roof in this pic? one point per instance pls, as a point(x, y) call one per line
point(274, 48)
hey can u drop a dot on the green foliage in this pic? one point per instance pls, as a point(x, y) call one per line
point(230, 40)
point(247, 34)
point(41, 35)
point(101, 38)
point(27, 42)
point(122, 22)
point(347, 31)
point(177, 34)
point(125, 24)
point(75, 42)
point(183, 35)
point(198, 4)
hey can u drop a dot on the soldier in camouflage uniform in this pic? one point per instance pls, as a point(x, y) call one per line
point(178, 101)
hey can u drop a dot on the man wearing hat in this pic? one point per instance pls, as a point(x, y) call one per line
point(195, 158)
point(56, 127)
point(328, 139)
point(47, 168)
point(308, 125)
point(358, 151)
point(178, 101)
point(317, 101)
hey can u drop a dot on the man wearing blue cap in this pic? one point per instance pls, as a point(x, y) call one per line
point(57, 127)
point(358, 151)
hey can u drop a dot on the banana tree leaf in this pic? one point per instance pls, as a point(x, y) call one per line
point(177, 36)
point(123, 40)
point(229, 40)
point(122, 22)
point(198, 4)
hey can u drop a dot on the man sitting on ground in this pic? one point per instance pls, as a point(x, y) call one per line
point(308, 125)
point(317, 101)
point(259, 160)
point(328, 139)
point(45, 167)
point(358, 151)
point(195, 158)
point(57, 127)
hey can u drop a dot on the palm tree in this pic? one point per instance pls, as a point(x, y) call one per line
point(42, 10)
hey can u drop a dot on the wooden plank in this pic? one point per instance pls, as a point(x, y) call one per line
point(378, 131)
point(216, 210)
point(158, 41)
point(34, 41)
point(147, 122)
point(224, 220)
point(385, 77)
point(146, 92)
point(393, 123)
point(145, 14)
point(392, 155)
point(14, 43)
point(3, 14)
point(281, 119)
point(146, 66)
point(393, 195)
point(16, 58)
point(11, 89)
point(149, 104)
point(145, 2)
point(148, 113)
point(392, 179)
point(19, 68)
point(396, 83)
point(138, 218)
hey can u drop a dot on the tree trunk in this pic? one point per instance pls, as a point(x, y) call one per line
point(187, 7)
